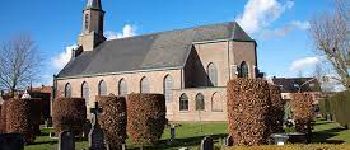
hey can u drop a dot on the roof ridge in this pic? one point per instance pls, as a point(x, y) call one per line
point(177, 30)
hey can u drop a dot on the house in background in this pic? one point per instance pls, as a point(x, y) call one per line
point(295, 85)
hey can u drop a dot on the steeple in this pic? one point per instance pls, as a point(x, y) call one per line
point(92, 29)
point(94, 4)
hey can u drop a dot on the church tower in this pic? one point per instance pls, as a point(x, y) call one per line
point(92, 30)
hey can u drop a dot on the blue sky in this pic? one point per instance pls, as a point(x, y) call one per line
point(279, 26)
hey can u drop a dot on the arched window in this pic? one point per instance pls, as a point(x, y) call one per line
point(200, 105)
point(212, 75)
point(216, 103)
point(144, 85)
point(168, 86)
point(85, 92)
point(243, 70)
point(67, 91)
point(102, 88)
point(183, 102)
point(122, 87)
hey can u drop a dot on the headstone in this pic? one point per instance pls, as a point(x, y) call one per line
point(173, 133)
point(11, 141)
point(207, 144)
point(48, 122)
point(66, 141)
point(229, 141)
point(96, 140)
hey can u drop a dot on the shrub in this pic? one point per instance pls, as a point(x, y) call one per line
point(113, 119)
point(69, 114)
point(303, 111)
point(2, 118)
point(249, 118)
point(146, 117)
point(339, 105)
point(292, 147)
point(19, 118)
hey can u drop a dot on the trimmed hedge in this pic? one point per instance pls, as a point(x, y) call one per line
point(113, 119)
point(146, 117)
point(248, 102)
point(339, 105)
point(2, 118)
point(19, 118)
point(303, 111)
point(69, 114)
point(292, 147)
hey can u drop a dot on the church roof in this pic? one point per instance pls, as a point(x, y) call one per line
point(152, 51)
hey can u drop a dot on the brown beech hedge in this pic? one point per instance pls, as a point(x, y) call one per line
point(113, 119)
point(69, 114)
point(146, 117)
point(2, 118)
point(276, 109)
point(248, 106)
point(303, 111)
point(19, 118)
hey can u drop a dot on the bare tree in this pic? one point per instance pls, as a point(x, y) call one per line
point(330, 33)
point(19, 62)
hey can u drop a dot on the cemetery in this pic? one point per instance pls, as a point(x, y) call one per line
point(138, 121)
point(195, 88)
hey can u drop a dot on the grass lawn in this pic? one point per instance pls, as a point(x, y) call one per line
point(330, 131)
point(190, 135)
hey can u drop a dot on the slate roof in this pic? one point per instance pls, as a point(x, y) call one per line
point(151, 51)
point(291, 85)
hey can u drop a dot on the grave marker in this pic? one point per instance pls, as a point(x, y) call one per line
point(11, 141)
point(96, 140)
point(207, 144)
point(66, 141)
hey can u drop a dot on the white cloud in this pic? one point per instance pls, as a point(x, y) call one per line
point(127, 31)
point(63, 58)
point(283, 31)
point(304, 63)
point(260, 13)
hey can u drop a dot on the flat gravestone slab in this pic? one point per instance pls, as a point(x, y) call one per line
point(11, 141)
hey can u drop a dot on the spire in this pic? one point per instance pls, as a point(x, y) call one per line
point(94, 4)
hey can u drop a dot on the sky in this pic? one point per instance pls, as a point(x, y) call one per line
point(280, 27)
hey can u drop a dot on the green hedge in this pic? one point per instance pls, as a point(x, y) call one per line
point(340, 108)
point(325, 106)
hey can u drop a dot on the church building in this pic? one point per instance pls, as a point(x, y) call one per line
point(191, 67)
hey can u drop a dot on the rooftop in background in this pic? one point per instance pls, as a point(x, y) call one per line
point(292, 85)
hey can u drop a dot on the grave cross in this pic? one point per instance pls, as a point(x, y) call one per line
point(96, 110)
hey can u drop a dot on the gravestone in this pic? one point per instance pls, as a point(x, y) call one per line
point(11, 141)
point(66, 141)
point(207, 144)
point(48, 122)
point(96, 140)
point(228, 141)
